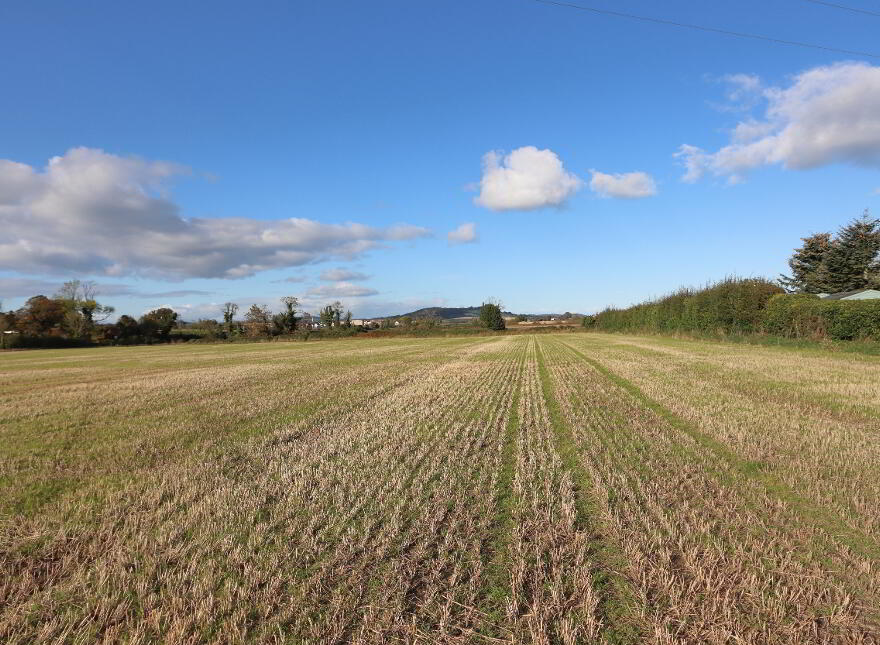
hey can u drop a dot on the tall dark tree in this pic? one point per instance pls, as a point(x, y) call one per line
point(229, 311)
point(846, 262)
point(806, 265)
point(851, 262)
point(127, 327)
point(286, 320)
point(490, 316)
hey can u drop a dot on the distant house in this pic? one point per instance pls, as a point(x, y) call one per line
point(858, 294)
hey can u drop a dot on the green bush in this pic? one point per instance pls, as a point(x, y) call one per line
point(734, 305)
point(806, 316)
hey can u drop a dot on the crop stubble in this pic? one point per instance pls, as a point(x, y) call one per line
point(545, 489)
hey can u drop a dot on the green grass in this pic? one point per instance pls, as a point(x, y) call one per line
point(616, 600)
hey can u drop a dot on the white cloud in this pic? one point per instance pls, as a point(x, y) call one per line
point(91, 212)
point(828, 114)
point(630, 185)
point(341, 290)
point(340, 275)
point(525, 179)
point(743, 91)
point(464, 234)
point(293, 278)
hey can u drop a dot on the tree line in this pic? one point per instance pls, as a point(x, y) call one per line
point(73, 316)
point(789, 306)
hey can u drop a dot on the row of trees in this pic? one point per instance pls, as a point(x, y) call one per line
point(72, 312)
point(68, 318)
point(260, 321)
point(827, 263)
point(74, 315)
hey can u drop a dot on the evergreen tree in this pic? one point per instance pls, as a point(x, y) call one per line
point(806, 263)
point(490, 316)
point(851, 261)
point(846, 262)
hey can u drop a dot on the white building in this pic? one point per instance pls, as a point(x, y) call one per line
point(858, 294)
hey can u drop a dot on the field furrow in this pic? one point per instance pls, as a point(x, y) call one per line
point(535, 489)
point(713, 554)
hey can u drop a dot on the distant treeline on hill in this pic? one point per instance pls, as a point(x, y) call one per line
point(746, 306)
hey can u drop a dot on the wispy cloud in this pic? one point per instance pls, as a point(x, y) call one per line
point(340, 275)
point(291, 279)
point(464, 234)
point(827, 114)
point(341, 290)
point(630, 185)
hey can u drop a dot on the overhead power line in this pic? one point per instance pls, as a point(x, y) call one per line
point(845, 8)
point(685, 25)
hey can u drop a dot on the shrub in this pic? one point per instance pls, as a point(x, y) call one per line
point(734, 305)
point(806, 316)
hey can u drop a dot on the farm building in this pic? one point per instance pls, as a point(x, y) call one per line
point(858, 294)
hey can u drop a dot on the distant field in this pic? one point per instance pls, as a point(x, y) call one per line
point(570, 488)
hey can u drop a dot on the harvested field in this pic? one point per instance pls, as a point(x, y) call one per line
point(570, 488)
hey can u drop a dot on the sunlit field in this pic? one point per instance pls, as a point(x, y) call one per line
point(570, 488)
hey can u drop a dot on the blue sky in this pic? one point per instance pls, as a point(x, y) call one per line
point(186, 135)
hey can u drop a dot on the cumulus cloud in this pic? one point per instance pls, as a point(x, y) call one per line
point(630, 185)
point(340, 275)
point(525, 179)
point(341, 290)
point(828, 114)
point(91, 212)
point(464, 234)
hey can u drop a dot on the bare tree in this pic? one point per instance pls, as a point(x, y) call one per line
point(257, 320)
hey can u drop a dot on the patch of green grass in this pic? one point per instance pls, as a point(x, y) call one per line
point(498, 577)
point(27, 498)
point(616, 599)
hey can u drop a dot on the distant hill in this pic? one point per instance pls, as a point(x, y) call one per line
point(457, 313)
point(445, 313)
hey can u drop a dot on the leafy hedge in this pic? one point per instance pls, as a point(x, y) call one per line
point(807, 316)
point(734, 305)
point(746, 306)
